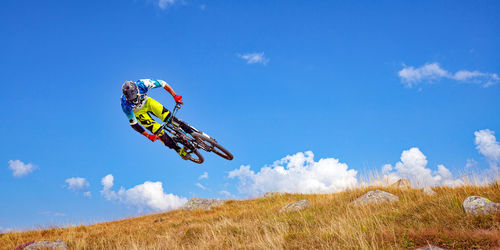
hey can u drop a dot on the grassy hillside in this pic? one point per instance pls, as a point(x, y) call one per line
point(331, 222)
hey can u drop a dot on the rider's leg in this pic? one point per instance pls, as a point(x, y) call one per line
point(158, 110)
point(167, 140)
point(144, 117)
point(164, 114)
point(183, 125)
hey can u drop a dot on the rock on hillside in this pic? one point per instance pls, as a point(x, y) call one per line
point(428, 191)
point(430, 247)
point(201, 203)
point(373, 197)
point(479, 205)
point(271, 194)
point(295, 206)
point(401, 183)
point(58, 244)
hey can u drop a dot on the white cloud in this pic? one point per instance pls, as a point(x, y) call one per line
point(413, 76)
point(203, 176)
point(253, 58)
point(228, 195)
point(108, 181)
point(444, 172)
point(447, 177)
point(20, 169)
point(53, 214)
point(225, 193)
point(77, 183)
point(5, 230)
point(386, 168)
point(201, 186)
point(453, 183)
point(149, 195)
point(488, 146)
point(465, 75)
point(470, 163)
point(163, 4)
point(297, 173)
point(432, 72)
point(413, 167)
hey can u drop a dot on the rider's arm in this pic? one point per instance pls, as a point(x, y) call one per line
point(151, 84)
point(141, 130)
point(133, 121)
point(169, 90)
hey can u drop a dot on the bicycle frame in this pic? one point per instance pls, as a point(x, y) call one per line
point(173, 130)
point(169, 120)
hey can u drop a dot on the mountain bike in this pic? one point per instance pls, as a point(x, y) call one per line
point(194, 141)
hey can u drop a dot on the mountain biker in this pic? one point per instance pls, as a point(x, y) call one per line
point(138, 106)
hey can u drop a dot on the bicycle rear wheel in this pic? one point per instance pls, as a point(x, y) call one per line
point(194, 156)
point(192, 153)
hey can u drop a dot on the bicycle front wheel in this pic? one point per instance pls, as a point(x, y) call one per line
point(211, 145)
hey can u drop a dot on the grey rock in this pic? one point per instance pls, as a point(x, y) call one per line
point(430, 247)
point(428, 191)
point(373, 197)
point(402, 184)
point(58, 244)
point(479, 205)
point(271, 194)
point(201, 203)
point(295, 206)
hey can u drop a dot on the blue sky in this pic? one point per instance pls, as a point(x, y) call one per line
point(402, 87)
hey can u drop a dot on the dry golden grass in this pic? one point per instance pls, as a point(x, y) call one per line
point(331, 222)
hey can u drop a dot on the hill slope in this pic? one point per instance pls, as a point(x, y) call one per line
point(331, 222)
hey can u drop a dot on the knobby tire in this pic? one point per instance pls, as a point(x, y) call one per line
point(199, 158)
point(216, 148)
